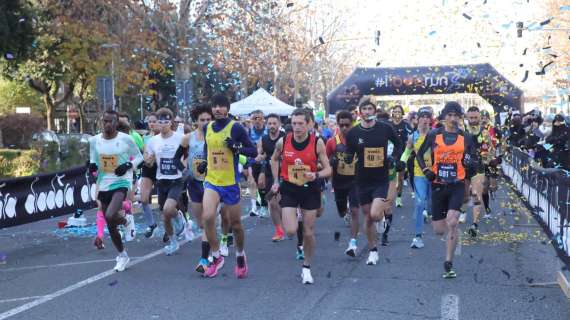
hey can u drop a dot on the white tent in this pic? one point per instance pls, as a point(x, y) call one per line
point(261, 100)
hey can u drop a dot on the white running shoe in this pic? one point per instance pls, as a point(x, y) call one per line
point(372, 258)
point(172, 247)
point(179, 224)
point(417, 243)
point(487, 216)
point(462, 217)
point(130, 229)
point(352, 247)
point(263, 212)
point(306, 276)
point(122, 261)
point(189, 232)
point(347, 219)
point(224, 249)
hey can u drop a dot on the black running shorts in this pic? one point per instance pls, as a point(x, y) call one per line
point(293, 196)
point(367, 193)
point(169, 189)
point(446, 197)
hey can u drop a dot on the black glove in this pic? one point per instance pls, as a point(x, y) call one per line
point(232, 145)
point(348, 158)
point(202, 167)
point(122, 169)
point(429, 175)
point(178, 158)
point(400, 166)
point(92, 167)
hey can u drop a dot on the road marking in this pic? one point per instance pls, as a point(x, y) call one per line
point(61, 265)
point(20, 299)
point(43, 299)
point(450, 307)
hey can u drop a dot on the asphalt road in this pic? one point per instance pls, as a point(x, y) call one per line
point(55, 273)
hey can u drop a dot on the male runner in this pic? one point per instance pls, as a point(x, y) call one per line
point(113, 155)
point(257, 131)
point(162, 150)
point(265, 149)
point(452, 152)
point(403, 129)
point(369, 141)
point(345, 191)
point(225, 140)
point(300, 151)
point(492, 168)
point(148, 178)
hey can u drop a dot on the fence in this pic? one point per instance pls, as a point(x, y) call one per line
point(547, 192)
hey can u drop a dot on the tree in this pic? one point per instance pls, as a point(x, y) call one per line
point(17, 94)
point(16, 30)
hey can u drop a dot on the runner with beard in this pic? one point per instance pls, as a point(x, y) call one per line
point(492, 168)
point(345, 190)
point(113, 155)
point(453, 153)
point(402, 129)
point(369, 141)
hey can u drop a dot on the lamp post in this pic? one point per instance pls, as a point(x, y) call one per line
point(112, 46)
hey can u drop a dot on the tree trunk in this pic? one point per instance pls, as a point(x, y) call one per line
point(50, 108)
point(81, 111)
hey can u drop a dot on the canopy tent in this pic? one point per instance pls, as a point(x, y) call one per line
point(261, 100)
point(482, 79)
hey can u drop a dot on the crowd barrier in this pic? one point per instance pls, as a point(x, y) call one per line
point(28, 199)
point(547, 192)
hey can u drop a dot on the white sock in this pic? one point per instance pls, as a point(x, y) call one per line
point(253, 204)
point(240, 253)
point(123, 254)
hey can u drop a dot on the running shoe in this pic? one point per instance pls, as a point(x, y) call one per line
point(473, 231)
point(462, 217)
point(214, 267)
point(487, 214)
point(202, 266)
point(253, 213)
point(263, 212)
point(230, 239)
point(425, 214)
point(165, 238)
point(352, 247)
point(300, 253)
point(417, 243)
point(149, 232)
point(372, 258)
point(172, 247)
point(224, 251)
point(98, 243)
point(385, 241)
point(278, 236)
point(130, 229)
point(241, 272)
point(449, 273)
point(122, 261)
point(188, 231)
point(347, 219)
point(306, 277)
point(179, 223)
point(399, 202)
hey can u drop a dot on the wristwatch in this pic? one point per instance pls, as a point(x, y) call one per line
point(316, 175)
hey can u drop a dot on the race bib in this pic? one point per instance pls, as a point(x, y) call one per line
point(108, 163)
point(447, 172)
point(373, 157)
point(296, 173)
point(346, 169)
point(195, 163)
point(167, 167)
point(220, 160)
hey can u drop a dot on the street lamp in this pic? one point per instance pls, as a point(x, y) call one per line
point(112, 46)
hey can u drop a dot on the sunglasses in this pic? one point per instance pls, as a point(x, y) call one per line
point(163, 121)
point(346, 125)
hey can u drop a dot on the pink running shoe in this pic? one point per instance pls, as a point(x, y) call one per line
point(214, 267)
point(241, 272)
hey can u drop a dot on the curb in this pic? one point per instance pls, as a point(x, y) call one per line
point(562, 279)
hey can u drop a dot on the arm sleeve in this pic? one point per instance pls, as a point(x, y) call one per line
point(350, 143)
point(138, 140)
point(134, 152)
point(240, 135)
point(428, 144)
point(93, 154)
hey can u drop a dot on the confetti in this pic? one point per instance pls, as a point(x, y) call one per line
point(468, 17)
point(545, 22)
point(525, 76)
point(506, 273)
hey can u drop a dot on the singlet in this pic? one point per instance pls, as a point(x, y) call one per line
point(447, 164)
point(296, 162)
point(108, 154)
point(195, 156)
point(164, 150)
point(221, 170)
point(343, 173)
point(417, 141)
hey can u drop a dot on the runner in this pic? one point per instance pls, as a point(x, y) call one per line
point(492, 168)
point(225, 140)
point(162, 150)
point(265, 149)
point(254, 167)
point(369, 141)
point(300, 151)
point(403, 129)
point(345, 191)
point(113, 155)
point(421, 184)
point(148, 179)
point(452, 152)
point(485, 148)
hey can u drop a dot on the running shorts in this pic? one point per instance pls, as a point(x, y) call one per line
point(306, 198)
point(169, 189)
point(149, 172)
point(229, 195)
point(106, 196)
point(346, 197)
point(195, 190)
point(446, 197)
point(366, 194)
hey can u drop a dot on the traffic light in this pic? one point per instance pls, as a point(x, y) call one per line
point(377, 37)
point(520, 27)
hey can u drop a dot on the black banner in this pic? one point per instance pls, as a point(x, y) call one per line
point(28, 199)
point(481, 79)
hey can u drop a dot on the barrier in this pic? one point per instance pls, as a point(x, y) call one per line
point(547, 192)
point(28, 199)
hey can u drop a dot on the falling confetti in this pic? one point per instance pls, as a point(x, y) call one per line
point(468, 17)
point(525, 76)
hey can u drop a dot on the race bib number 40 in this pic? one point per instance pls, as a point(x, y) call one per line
point(167, 167)
point(447, 172)
point(297, 174)
point(108, 163)
point(373, 157)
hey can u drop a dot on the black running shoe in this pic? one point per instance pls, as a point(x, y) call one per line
point(150, 230)
point(449, 273)
point(385, 241)
point(473, 231)
point(230, 240)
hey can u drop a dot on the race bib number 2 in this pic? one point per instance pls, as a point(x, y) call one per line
point(108, 163)
point(373, 157)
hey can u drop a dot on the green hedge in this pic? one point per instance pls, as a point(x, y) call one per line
point(18, 163)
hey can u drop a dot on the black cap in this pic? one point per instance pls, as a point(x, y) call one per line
point(424, 111)
point(559, 118)
point(452, 106)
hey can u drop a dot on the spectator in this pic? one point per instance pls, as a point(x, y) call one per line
point(516, 132)
point(560, 141)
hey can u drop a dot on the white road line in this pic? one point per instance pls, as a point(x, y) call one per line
point(20, 299)
point(450, 307)
point(61, 265)
point(43, 299)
